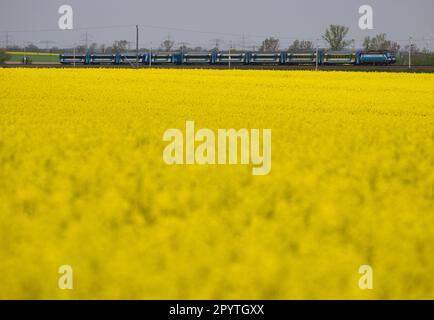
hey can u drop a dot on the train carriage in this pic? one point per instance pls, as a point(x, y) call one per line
point(102, 59)
point(157, 58)
point(377, 57)
point(72, 58)
point(265, 58)
point(194, 58)
point(302, 58)
point(339, 57)
point(233, 58)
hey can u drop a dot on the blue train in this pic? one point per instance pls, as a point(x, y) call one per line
point(238, 58)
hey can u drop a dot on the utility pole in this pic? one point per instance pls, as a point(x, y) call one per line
point(7, 40)
point(86, 37)
point(150, 55)
point(183, 46)
point(316, 56)
point(74, 54)
point(409, 52)
point(26, 43)
point(230, 48)
point(217, 43)
point(137, 46)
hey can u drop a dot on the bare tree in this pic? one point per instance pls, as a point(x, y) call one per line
point(183, 47)
point(93, 47)
point(81, 49)
point(302, 45)
point(270, 45)
point(216, 43)
point(168, 44)
point(119, 46)
point(31, 48)
point(414, 48)
point(335, 37)
point(380, 42)
point(394, 46)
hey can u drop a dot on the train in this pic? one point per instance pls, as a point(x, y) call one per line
point(320, 57)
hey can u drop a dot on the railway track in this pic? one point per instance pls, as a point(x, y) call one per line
point(393, 68)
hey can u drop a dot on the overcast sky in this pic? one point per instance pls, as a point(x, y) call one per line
point(197, 22)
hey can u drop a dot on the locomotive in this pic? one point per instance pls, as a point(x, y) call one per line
point(320, 57)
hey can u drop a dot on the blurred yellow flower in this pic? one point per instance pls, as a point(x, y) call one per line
point(83, 183)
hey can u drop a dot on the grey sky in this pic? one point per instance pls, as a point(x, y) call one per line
point(229, 19)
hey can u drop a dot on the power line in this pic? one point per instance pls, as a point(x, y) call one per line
point(137, 47)
point(87, 38)
point(75, 29)
point(7, 39)
point(47, 43)
point(187, 30)
point(184, 30)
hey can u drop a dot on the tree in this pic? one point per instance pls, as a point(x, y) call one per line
point(102, 48)
point(119, 46)
point(32, 48)
point(81, 49)
point(367, 43)
point(93, 47)
point(270, 45)
point(380, 42)
point(14, 48)
point(302, 45)
point(216, 43)
point(183, 47)
point(394, 46)
point(414, 48)
point(335, 37)
point(3, 56)
point(167, 45)
point(54, 49)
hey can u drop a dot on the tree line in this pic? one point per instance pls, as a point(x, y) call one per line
point(335, 36)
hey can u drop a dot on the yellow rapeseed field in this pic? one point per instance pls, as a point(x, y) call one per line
point(20, 53)
point(83, 183)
